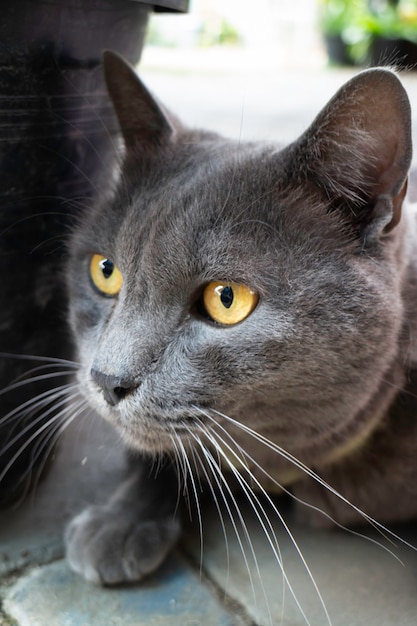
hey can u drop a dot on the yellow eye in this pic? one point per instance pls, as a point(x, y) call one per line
point(229, 303)
point(105, 275)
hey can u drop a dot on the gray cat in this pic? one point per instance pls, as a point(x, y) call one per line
point(246, 313)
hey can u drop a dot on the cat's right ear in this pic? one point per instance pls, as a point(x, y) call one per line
point(142, 122)
point(358, 151)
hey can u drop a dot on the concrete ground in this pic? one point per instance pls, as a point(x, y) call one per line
point(361, 582)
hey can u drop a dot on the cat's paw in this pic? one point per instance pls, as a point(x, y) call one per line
point(108, 549)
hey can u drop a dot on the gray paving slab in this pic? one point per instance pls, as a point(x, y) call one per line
point(53, 596)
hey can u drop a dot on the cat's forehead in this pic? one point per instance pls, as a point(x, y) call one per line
point(217, 203)
point(212, 189)
point(213, 209)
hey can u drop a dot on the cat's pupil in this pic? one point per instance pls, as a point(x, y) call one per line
point(226, 297)
point(107, 267)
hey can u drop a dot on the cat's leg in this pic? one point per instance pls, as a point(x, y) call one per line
point(129, 536)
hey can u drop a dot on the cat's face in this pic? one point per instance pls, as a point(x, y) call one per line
point(241, 280)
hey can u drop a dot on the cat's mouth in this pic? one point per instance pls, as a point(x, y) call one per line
point(152, 436)
point(159, 430)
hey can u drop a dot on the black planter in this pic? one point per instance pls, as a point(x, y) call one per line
point(337, 50)
point(400, 53)
point(57, 132)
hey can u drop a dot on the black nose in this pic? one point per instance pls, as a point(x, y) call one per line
point(114, 388)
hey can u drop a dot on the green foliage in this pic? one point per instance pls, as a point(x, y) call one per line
point(339, 16)
point(345, 18)
point(359, 22)
point(393, 21)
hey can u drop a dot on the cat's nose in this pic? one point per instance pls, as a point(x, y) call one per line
point(114, 388)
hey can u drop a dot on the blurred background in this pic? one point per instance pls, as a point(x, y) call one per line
point(295, 32)
point(264, 68)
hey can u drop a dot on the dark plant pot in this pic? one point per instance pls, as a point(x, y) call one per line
point(400, 53)
point(337, 50)
point(57, 151)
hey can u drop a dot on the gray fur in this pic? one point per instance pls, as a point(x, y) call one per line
point(324, 362)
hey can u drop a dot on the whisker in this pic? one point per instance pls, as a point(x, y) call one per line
point(308, 504)
point(182, 487)
point(26, 444)
point(36, 402)
point(219, 511)
point(49, 438)
point(383, 530)
point(40, 418)
point(251, 495)
point(197, 501)
point(221, 480)
point(33, 379)
point(41, 368)
point(193, 455)
point(31, 357)
point(57, 431)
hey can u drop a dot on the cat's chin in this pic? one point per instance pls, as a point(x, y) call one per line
point(148, 443)
point(154, 435)
point(147, 438)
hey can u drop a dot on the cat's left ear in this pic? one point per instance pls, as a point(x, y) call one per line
point(358, 150)
point(143, 124)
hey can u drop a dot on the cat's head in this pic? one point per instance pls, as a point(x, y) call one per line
point(245, 280)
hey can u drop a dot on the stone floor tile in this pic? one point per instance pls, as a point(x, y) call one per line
point(53, 596)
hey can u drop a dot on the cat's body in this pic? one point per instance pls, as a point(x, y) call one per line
point(315, 369)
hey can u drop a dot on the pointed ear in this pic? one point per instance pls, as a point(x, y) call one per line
point(143, 124)
point(358, 150)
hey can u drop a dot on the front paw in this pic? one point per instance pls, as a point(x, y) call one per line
point(107, 547)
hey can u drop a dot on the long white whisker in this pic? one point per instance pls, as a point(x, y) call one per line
point(219, 511)
point(253, 498)
point(221, 480)
point(49, 439)
point(73, 408)
point(259, 511)
point(84, 135)
point(316, 508)
point(283, 522)
point(40, 418)
point(27, 443)
point(179, 472)
point(33, 404)
point(197, 501)
point(33, 379)
point(193, 455)
point(309, 472)
point(303, 502)
point(44, 359)
point(46, 366)
point(56, 432)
